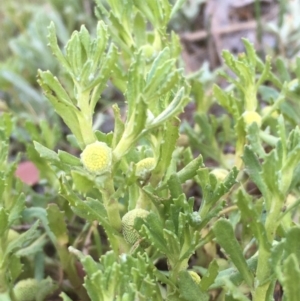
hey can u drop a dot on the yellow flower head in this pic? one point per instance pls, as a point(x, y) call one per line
point(97, 157)
point(250, 117)
point(144, 167)
point(220, 173)
point(129, 233)
point(195, 276)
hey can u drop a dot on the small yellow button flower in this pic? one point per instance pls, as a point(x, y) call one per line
point(220, 173)
point(144, 167)
point(250, 117)
point(97, 157)
point(195, 277)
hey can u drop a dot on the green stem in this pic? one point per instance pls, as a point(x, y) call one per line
point(262, 273)
point(69, 267)
point(122, 148)
point(263, 267)
point(112, 208)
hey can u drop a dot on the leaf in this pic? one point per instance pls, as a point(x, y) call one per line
point(176, 106)
point(251, 218)
point(152, 229)
point(291, 278)
point(190, 171)
point(292, 243)
point(189, 289)
point(3, 221)
point(24, 239)
point(210, 276)
point(46, 153)
point(234, 291)
point(57, 224)
point(82, 182)
point(69, 159)
point(16, 211)
point(254, 169)
point(168, 143)
point(55, 49)
point(227, 240)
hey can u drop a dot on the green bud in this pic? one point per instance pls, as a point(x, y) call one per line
point(12, 235)
point(26, 290)
point(130, 234)
point(97, 157)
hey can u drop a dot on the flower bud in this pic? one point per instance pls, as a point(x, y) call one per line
point(144, 167)
point(195, 277)
point(130, 234)
point(12, 235)
point(250, 117)
point(220, 173)
point(266, 111)
point(26, 290)
point(97, 157)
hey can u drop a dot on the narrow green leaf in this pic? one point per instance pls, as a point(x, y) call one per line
point(176, 106)
point(227, 240)
point(3, 221)
point(254, 169)
point(57, 224)
point(189, 289)
point(82, 182)
point(68, 158)
point(46, 153)
point(292, 243)
point(55, 49)
point(210, 276)
point(23, 240)
point(291, 278)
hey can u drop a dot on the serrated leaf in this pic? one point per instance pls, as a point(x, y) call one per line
point(82, 182)
point(254, 169)
point(68, 158)
point(235, 291)
point(291, 278)
point(55, 49)
point(176, 106)
point(251, 217)
point(227, 240)
point(190, 170)
point(16, 211)
point(210, 276)
point(189, 289)
point(57, 224)
point(46, 153)
point(292, 243)
point(24, 239)
point(3, 221)
point(170, 136)
point(135, 83)
point(152, 229)
point(50, 84)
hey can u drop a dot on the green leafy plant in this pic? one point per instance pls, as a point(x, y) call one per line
point(167, 216)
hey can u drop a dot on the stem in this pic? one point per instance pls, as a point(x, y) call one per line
point(262, 273)
point(111, 205)
point(112, 208)
point(68, 266)
point(263, 267)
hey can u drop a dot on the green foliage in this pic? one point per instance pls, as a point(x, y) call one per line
point(131, 214)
